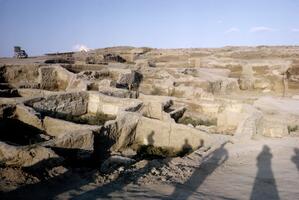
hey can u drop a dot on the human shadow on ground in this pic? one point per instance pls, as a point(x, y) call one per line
point(295, 158)
point(208, 166)
point(264, 185)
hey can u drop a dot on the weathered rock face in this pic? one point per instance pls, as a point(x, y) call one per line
point(25, 156)
point(20, 75)
point(165, 134)
point(130, 81)
point(246, 80)
point(77, 139)
point(224, 86)
point(48, 78)
point(231, 116)
point(63, 104)
point(116, 135)
point(272, 127)
point(113, 58)
point(115, 92)
point(94, 75)
point(261, 83)
point(57, 78)
point(58, 128)
point(278, 114)
point(29, 116)
point(155, 107)
point(111, 105)
point(249, 123)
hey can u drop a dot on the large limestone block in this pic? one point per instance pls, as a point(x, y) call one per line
point(58, 128)
point(25, 92)
point(76, 139)
point(130, 81)
point(28, 116)
point(118, 134)
point(248, 127)
point(47, 78)
point(57, 78)
point(187, 91)
point(166, 134)
point(261, 83)
point(74, 103)
point(231, 115)
point(209, 107)
point(273, 127)
point(155, 106)
point(116, 92)
point(111, 105)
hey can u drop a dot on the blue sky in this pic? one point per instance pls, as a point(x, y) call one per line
point(42, 26)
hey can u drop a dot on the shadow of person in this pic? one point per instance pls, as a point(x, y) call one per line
point(186, 148)
point(264, 185)
point(295, 158)
point(150, 138)
point(208, 166)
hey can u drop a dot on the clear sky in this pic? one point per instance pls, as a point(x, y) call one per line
point(42, 26)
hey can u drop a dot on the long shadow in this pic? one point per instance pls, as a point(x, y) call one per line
point(70, 181)
point(121, 182)
point(209, 165)
point(264, 185)
point(295, 158)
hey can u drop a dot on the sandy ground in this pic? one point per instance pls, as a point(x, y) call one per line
point(260, 169)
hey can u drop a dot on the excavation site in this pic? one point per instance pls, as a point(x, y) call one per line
point(141, 122)
point(155, 109)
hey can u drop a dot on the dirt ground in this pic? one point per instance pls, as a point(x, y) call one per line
point(257, 169)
